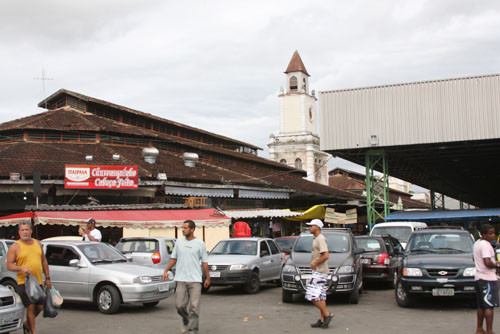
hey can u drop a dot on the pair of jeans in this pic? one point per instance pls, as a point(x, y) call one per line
point(187, 302)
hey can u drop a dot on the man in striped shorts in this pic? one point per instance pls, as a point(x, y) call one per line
point(316, 289)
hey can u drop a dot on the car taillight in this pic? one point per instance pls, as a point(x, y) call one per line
point(156, 257)
point(384, 259)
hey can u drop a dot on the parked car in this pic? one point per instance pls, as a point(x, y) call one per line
point(382, 258)
point(399, 230)
point(94, 272)
point(245, 262)
point(346, 271)
point(7, 278)
point(11, 311)
point(437, 262)
point(148, 251)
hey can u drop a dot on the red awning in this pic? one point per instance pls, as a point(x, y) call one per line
point(15, 219)
point(124, 218)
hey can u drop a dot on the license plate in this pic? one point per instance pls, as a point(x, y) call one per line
point(365, 261)
point(443, 292)
point(214, 274)
point(163, 287)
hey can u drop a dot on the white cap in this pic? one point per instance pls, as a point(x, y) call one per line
point(316, 222)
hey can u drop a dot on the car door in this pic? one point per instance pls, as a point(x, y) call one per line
point(277, 259)
point(72, 282)
point(265, 261)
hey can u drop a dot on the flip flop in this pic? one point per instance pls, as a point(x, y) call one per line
point(26, 330)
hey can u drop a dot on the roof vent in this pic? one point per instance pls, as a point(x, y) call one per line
point(149, 154)
point(190, 159)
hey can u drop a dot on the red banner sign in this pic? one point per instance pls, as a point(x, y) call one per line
point(100, 177)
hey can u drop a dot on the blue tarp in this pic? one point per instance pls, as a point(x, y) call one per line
point(461, 216)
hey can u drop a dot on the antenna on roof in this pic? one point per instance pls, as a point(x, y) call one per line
point(44, 78)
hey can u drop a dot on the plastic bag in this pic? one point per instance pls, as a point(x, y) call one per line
point(57, 299)
point(49, 310)
point(34, 291)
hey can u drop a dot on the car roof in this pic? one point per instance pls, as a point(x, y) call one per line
point(400, 223)
point(247, 239)
point(289, 237)
point(147, 238)
point(441, 230)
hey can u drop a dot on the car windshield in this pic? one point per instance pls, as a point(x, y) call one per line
point(402, 233)
point(101, 253)
point(337, 243)
point(235, 247)
point(440, 243)
point(370, 244)
point(285, 243)
point(138, 245)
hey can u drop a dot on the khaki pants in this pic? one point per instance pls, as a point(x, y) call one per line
point(187, 302)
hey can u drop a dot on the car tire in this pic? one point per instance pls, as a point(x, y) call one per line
point(253, 286)
point(286, 296)
point(108, 299)
point(10, 284)
point(354, 296)
point(151, 304)
point(403, 298)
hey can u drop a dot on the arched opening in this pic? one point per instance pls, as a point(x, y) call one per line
point(283, 161)
point(298, 163)
point(293, 83)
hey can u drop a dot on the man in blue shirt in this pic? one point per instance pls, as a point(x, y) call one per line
point(189, 255)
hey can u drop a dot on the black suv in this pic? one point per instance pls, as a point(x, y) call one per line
point(437, 262)
point(344, 263)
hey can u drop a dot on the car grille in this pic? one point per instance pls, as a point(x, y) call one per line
point(308, 270)
point(5, 301)
point(220, 267)
point(442, 272)
point(156, 279)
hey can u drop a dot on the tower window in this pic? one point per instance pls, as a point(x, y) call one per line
point(283, 161)
point(298, 163)
point(293, 83)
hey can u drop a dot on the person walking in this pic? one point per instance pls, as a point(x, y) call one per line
point(26, 257)
point(91, 233)
point(316, 289)
point(486, 278)
point(189, 255)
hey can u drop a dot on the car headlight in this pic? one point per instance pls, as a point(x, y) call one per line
point(345, 270)
point(18, 299)
point(414, 272)
point(287, 268)
point(469, 272)
point(143, 279)
point(238, 267)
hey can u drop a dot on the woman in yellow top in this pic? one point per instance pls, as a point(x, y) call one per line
point(26, 257)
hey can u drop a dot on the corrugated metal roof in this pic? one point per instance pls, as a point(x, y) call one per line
point(104, 207)
point(266, 213)
point(453, 110)
point(448, 215)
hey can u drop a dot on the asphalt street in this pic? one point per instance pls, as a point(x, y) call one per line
point(225, 310)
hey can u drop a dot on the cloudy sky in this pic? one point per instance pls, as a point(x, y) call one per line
point(218, 65)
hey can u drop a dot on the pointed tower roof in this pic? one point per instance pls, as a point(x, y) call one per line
point(296, 64)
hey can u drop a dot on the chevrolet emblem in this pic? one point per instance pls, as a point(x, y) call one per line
point(442, 273)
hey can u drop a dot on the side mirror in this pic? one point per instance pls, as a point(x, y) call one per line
point(358, 251)
point(128, 257)
point(76, 263)
point(264, 253)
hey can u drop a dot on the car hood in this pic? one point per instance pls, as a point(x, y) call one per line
point(230, 259)
point(130, 268)
point(440, 260)
point(334, 260)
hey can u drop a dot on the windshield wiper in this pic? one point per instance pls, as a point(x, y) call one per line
point(422, 250)
point(451, 249)
point(102, 261)
point(120, 260)
point(301, 251)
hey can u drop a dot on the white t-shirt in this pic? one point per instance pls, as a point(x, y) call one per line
point(482, 250)
point(95, 233)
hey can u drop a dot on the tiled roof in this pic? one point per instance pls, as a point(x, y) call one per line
point(296, 64)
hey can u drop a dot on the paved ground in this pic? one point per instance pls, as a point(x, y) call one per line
point(225, 310)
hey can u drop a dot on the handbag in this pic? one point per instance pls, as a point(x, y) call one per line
point(49, 310)
point(33, 290)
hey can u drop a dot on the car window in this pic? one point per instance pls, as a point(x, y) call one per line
point(138, 245)
point(264, 247)
point(96, 252)
point(370, 244)
point(170, 246)
point(10, 243)
point(388, 245)
point(337, 243)
point(60, 256)
point(402, 233)
point(285, 243)
point(235, 247)
point(2, 249)
point(273, 247)
point(437, 242)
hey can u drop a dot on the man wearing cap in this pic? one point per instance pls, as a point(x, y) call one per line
point(316, 289)
point(91, 233)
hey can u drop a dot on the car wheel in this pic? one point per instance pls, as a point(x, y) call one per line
point(402, 297)
point(253, 286)
point(354, 296)
point(11, 285)
point(286, 296)
point(151, 304)
point(108, 299)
